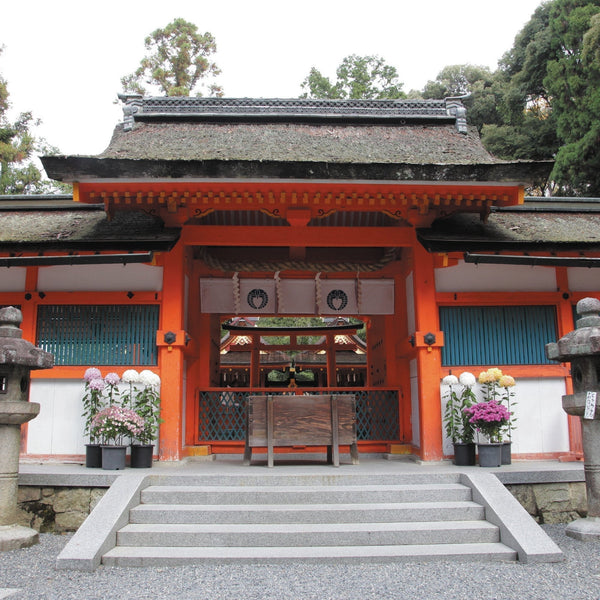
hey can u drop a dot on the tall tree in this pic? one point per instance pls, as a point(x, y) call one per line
point(18, 174)
point(358, 77)
point(551, 96)
point(177, 63)
point(573, 81)
point(477, 83)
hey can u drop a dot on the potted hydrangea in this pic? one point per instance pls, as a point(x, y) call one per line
point(112, 425)
point(456, 421)
point(489, 418)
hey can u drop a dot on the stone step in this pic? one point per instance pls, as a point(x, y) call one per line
point(304, 494)
point(303, 513)
point(310, 534)
point(150, 556)
point(327, 477)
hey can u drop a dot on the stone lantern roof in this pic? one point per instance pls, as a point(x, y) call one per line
point(16, 351)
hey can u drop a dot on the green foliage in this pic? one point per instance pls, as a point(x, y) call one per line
point(177, 62)
point(358, 77)
point(478, 82)
point(573, 79)
point(551, 100)
point(456, 421)
point(291, 322)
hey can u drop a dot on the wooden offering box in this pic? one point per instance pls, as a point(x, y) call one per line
point(319, 420)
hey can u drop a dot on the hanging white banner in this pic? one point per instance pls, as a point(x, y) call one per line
point(299, 296)
point(338, 297)
point(376, 297)
point(257, 296)
point(216, 296)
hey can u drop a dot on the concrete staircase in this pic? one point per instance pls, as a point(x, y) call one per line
point(335, 518)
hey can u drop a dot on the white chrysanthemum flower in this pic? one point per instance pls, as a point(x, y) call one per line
point(130, 376)
point(450, 380)
point(467, 379)
point(148, 378)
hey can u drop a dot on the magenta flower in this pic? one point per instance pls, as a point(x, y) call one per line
point(488, 417)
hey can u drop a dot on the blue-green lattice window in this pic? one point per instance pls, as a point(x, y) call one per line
point(497, 335)
point(99, 334)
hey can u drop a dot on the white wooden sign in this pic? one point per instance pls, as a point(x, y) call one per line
point(590, 405)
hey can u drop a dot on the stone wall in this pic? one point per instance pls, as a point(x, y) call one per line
point(63, 509)
point(56, 509)
point(560, 502)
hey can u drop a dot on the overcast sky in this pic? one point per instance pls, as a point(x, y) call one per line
point(63, 59)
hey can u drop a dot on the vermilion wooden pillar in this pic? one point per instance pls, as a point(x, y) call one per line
point(565, 325)
point(171, 358)
point(428, 355)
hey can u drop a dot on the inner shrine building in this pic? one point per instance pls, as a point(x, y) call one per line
point(386, 219)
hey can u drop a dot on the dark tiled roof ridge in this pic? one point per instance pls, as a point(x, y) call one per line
point(140, 107)
point(282, 105)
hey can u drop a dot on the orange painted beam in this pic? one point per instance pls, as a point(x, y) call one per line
point(299, 194)
point(304, 237)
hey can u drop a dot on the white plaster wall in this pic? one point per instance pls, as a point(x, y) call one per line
point(414, 403)
point(58, 429)
point(12, 279)
point(541, 424)
point(467, 277)
point(100, 278)
point(583, 280)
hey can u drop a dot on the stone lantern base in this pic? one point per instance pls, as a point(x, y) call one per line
point(585, 530)
point(14, 537)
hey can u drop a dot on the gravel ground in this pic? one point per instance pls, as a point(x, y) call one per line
point(29, 574)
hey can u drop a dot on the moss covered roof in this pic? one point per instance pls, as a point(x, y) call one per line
point(41, 223)
point(401, 140)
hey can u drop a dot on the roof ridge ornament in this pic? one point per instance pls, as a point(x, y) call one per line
point(456, 108)
point(132, 104)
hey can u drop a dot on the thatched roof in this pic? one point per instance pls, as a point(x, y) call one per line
point(540, 224)
point(40, 223)
point(390, 140)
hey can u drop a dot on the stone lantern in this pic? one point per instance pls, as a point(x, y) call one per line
point(582, 349)
point(17, 358)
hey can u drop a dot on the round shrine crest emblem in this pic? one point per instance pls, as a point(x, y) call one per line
point(257, 298)
point(337, 299)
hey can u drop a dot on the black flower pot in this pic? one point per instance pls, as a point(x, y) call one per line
point(141, 456)
point(93, 456)
point(490, 455)
point(113, 457)
point(506, 453)
point(464, 454)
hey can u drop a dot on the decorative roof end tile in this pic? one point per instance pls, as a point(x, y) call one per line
point(455, 108)
point(132, 105)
